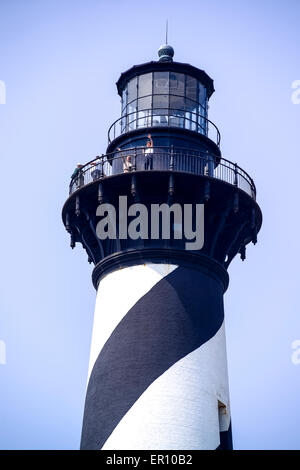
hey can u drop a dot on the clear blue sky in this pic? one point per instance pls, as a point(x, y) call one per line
point(60, 61)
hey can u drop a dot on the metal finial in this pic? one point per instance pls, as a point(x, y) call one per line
point(167, 32)
point(166, 52)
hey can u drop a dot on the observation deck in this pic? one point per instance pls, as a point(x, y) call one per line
point(170, 159)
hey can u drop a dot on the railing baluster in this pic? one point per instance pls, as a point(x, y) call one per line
point(134, 160)
point(172, 158)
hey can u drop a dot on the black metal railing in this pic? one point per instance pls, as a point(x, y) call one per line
point(164, 117)
point(159, 159)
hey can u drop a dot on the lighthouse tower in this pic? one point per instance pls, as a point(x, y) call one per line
point(158, 369)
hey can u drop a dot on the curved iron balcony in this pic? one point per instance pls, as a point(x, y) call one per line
point(163, 158)
point(164, 117)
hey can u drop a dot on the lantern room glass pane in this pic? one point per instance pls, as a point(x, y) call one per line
point(144, 118)
point(132, 107)
point(160, 101)
point(176, 118)
point(191, 106)
point(160, 117)
point(203, 125)
point(191, 88)
point(177, 81)
point(161, 83)
point(131, 118)
point(201, 110)
point(202, 95)
point(177, 102)
point(145, 84)
point(191, 115)
point(145, 103)
point(124, 99)
point(132, 90)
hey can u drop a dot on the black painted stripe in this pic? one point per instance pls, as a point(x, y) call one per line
point(179, 314)
point(225, 440)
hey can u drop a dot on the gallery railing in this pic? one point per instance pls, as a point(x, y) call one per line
point(160, 159)
point(164, 117)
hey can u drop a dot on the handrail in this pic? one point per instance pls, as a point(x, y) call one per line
point(163, 158)
point(151, 116)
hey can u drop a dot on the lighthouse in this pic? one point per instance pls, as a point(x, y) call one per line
point(161, 214)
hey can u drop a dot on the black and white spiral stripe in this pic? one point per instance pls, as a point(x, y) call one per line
point(158, 372)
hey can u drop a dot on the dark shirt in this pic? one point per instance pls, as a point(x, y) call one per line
point(75, 173)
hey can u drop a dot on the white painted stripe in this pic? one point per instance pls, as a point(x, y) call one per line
point(179, 410)
point(117, 293)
